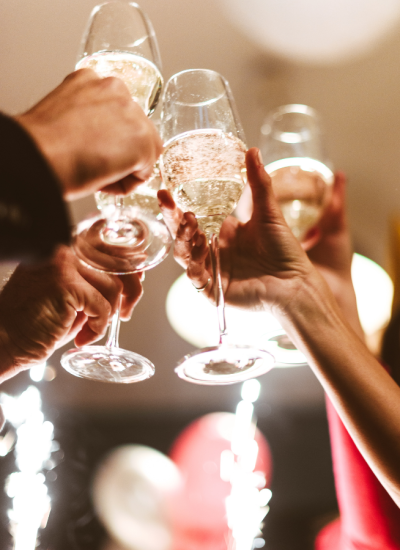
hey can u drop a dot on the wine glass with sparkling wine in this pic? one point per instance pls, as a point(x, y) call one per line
point(294, 156)
point(128, 235)
point(203, 165)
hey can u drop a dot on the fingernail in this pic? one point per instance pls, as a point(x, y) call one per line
point(260, 159)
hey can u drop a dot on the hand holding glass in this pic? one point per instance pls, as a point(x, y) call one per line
point(203, 165)
point(293, 151)
point(294, 156)
point(129, 235)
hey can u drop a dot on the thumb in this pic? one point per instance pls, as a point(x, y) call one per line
point(265, 206)
point(339, 199)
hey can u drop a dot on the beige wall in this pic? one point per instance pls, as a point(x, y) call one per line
point(358, 101)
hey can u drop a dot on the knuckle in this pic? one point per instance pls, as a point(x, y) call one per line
point(82, 75)
point(182, 256)
point(116, 86)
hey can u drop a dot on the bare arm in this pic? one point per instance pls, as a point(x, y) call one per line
point(264, 267)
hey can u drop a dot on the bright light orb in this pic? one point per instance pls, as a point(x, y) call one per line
point(315, 31)
point(133, 492)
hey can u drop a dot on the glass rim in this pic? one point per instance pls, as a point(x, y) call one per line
point(147, 21)
point(204, 71)
point(98, 6)
point(227, 91)
point(198, 70)
point(295, 108)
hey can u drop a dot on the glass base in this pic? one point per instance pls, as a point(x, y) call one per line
point(224, 364)
point(119, 247)
point(107, 365)
point(284, 351)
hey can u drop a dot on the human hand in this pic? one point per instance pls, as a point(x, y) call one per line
point(93, 135)
point(333, 253)
point(43, 307)
point(262, 263)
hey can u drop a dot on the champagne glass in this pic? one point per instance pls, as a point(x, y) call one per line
point(203, 165)
point(128, 235)
point(120, 41)
point(294, 155)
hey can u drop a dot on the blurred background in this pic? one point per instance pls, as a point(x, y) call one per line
point(344, 62)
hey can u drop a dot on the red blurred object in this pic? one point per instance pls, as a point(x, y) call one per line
point(369, 518)
point(199, 515)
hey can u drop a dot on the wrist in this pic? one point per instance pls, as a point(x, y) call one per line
point(310, 306)
point(347, 302)
point(48, 147)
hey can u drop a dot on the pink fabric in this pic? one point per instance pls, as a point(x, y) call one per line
point(369, 519)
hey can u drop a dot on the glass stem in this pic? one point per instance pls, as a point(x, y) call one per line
point(113, 333)
point(218, 292)
point(119, 203)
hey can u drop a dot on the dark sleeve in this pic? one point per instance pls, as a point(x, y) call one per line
point(33, 215)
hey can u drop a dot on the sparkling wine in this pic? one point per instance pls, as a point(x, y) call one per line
point(205, 172)
point(302, 187)
point(141, 76)
point(144, 198)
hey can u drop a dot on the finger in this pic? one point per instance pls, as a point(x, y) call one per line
point(145, 173)
point(266, 208)
point(185, 239)
point(98, 310)
point(171, 213)
point(109, 286)
point(2, 418)
point(311, 238)
point(93, 248)
point(75, 328)
point(196, 270)
point(82, 76)
point(131, 294)
point(124, 186)
point(77, 325)
point(339, 198)
point(334, 217)
point(86, 336)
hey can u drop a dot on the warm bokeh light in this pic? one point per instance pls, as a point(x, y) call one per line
point(33, 448)
point(193, 317)
point(133, 493)
point(315, 32)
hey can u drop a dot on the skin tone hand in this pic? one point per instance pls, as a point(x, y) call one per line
point(93, 135)
point(42, 307)
point(332, 254)
point(264, 267)
point(258, 255)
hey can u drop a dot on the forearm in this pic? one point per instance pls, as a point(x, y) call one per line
point(346, 300)
point(365, 396)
